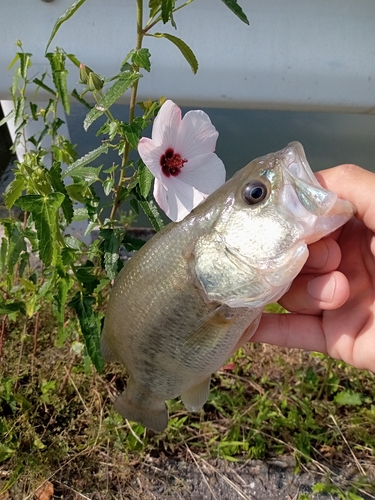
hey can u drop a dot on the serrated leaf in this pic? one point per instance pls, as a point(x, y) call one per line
point(55, 178)
point(141, 58)
point(349, 398)
point(14, 190)
point(125, 81)
point(150, 209)
point(64, 17)
point(236, 9)
point(25, 62)
point(145, 180)
point(90, 327)
point(111, 245)
point(15, 82)
point(86, 175)
point(19, 109)
point(63, 287)
point(44, 211)
point(16, 243)
point(84, 160)
point(60, 80)
point(183, 47)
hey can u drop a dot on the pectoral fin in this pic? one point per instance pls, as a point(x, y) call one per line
point(195, 397)
point(209, 332)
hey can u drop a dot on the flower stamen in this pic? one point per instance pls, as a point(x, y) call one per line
point(171, 163)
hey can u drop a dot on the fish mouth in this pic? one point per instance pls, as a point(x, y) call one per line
point(314, 198)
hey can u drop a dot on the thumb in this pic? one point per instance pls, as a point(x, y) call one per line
point(354, 184)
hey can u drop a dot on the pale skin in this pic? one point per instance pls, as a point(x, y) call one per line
point(332, 300)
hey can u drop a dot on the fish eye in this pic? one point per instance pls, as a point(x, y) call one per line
point(255, 192)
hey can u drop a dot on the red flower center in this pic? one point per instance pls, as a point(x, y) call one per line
point(171, 163)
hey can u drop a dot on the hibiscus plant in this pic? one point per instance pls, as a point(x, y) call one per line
point(179, 158)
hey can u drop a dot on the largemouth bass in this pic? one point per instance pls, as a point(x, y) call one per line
point(195, 292)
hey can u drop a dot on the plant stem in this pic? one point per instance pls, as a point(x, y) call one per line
point(133, 100)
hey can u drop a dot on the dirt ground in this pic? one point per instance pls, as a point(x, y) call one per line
point(198, 479)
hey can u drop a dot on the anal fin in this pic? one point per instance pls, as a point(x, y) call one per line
point(195, 397)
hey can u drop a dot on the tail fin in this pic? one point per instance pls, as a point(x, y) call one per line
point(153, 416)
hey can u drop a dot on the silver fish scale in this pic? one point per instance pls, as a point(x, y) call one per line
point(195, 292)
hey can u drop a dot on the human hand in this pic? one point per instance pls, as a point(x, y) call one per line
point(332, 300)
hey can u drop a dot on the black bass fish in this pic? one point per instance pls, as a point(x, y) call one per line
point(195, 292)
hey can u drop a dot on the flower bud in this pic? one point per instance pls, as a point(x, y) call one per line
point(84, 73)
point(95, 82)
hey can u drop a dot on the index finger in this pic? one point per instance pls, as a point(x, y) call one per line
point(291, 330)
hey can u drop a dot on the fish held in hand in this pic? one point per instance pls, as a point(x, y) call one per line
point(195, 292)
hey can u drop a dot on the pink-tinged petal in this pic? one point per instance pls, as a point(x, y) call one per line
point(166, 124)
point(151, 155)
point(176, 198)
point(196, 135)
point(206, 173)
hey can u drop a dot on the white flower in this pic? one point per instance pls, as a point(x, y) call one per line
point(181, 156)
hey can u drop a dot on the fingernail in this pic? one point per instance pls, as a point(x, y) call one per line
point(322, 288)
point(322, 256)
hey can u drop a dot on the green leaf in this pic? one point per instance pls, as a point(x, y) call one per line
point(59, 76)
point(183, 47)
point(64, 17)
point(150, 209)
point(20, 107)
point(88, 175)
point(14, 190)
point(145, 180)
point(348, 398)
point(7, 117)
point(63, 287)
point(40, 83)
point(141, 58)
point(60, 79)
point(25, 63)
point(132, 131)
point(111, 245)
point(11, 307)
point(167, 7)
point(5, 452)
point(81, 100)
point(84, 160)
point(55, 178)
point(90, 326)
point(126, 80)
point(74, 60)
point(44, 211)
point(108, 185)
point(16, 242)
point(236, 9)
point(154, 6)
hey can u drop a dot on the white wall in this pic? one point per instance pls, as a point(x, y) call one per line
point(296, 54)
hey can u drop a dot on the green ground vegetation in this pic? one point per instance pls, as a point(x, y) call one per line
point(57, 420)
